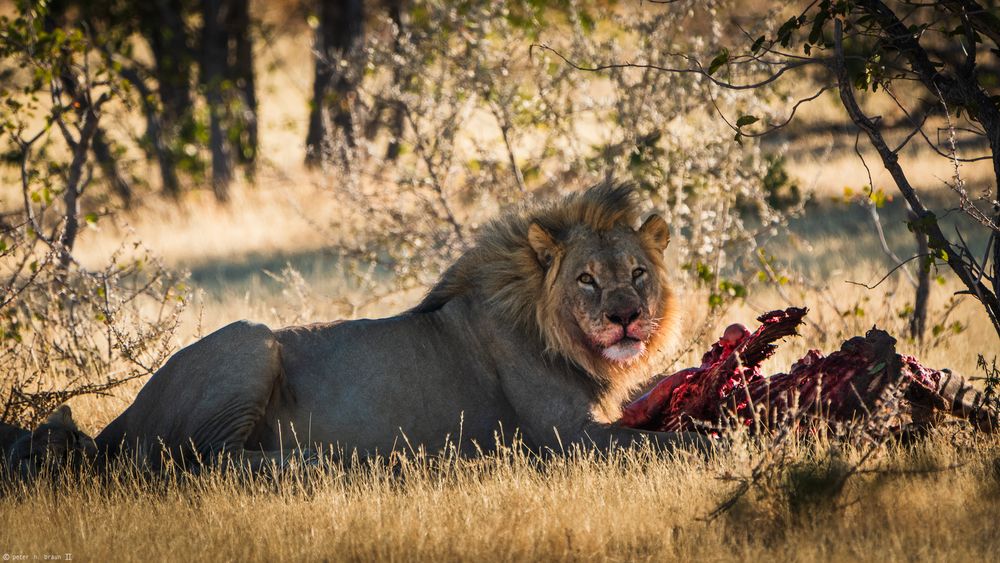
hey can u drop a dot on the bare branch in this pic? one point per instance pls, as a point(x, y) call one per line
point(981, 19)
point(697, 69)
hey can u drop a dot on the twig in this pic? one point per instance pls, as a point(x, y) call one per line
point(886, 276)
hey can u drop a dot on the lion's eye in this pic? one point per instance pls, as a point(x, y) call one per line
point(587, 279)
point(638, 273)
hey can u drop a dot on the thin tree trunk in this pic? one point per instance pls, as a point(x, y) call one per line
point(109, 167)
point(154, 133)
point(241, 75)
point(99, 144)
point(927, 221)
point(918, 322)
point(339, 33)
point(75, 184)
point(397, 121)
point(213, 70)
point(961, 89)
point(163, 24)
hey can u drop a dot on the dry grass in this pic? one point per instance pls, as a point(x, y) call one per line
point(512, 508)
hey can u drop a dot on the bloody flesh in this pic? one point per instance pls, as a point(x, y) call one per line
point(849, 384)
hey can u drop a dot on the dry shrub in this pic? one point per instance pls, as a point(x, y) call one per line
point(70, 331)
point(66, 330)
point(461, 114)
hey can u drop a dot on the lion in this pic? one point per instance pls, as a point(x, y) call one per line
point(538, 332)
point(56, 443)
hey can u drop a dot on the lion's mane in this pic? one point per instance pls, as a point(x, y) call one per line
point(501, 271)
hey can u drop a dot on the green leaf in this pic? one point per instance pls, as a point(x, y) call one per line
point(786, 29)
point(746, 120)
point(922, 225)
point(757, 45)
point(719, 60)
point(879, 198)
point(925, 263)
point(733, 289)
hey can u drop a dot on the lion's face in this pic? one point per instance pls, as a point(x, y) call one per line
point(608, 290)
point(608, 294)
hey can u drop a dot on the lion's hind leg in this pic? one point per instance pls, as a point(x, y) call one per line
point(205, 401)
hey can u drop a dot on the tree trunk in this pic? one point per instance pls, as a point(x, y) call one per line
point(949, 90)
point(241, 76)
point(918, 322)
point(75, 183)
point(154, 133)
point(340, 31)
point(214, 53)
point(109, 167)
point(402, 79)
point(162, 22)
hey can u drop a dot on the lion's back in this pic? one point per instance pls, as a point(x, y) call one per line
point(368, 383)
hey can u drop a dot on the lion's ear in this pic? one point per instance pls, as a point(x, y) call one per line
point(656, 232)
point(61, 417)
point(546, 248)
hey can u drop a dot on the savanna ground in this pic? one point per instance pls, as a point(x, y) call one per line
point(271, 254)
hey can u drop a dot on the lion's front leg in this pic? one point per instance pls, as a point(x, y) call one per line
point(555, 412)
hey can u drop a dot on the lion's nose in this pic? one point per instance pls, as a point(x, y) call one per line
point(623, 317)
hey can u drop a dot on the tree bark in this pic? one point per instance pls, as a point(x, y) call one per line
point(214, 53)
point(162, 23)
point(918, 322)
point(154, 133)
point(964, 90)
point(340, 31)
point(75, 184)
point(241, 76)
point(109, 167)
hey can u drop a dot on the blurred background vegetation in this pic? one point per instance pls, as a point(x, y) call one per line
point(170, 166)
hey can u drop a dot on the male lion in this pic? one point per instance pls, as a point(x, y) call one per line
point(540, 329)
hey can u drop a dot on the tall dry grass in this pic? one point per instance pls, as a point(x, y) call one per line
point(936, 500)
